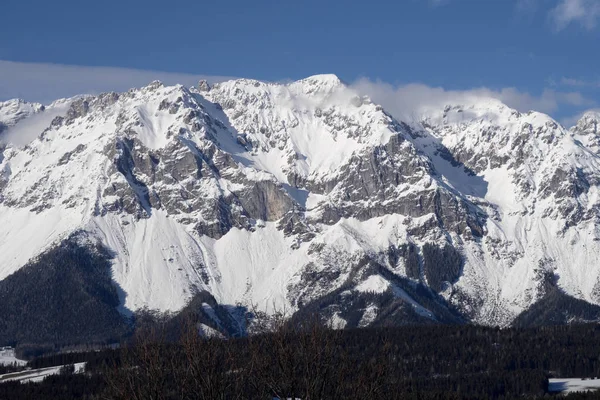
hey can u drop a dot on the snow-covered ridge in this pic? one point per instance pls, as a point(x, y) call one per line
point(13, 111)
point(308, 128)
point(276, 195)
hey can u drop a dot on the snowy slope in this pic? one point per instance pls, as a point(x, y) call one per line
point(573, 385)
point(308, 128)
point(275, 196)
point(537, 183)
point(13, 111)
point(7, 357)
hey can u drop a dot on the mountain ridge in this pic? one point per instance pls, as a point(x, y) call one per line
point(280, 195)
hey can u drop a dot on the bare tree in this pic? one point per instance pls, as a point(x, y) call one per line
point(209, 372)
point(145, 369)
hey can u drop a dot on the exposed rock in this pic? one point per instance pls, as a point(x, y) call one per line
point(300, 193)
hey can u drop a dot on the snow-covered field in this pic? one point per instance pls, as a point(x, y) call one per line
point(37, 375)
point(7, 357)
point(572, 385)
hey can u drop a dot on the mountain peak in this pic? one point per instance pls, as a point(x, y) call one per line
point(484, 111)
point(589, 116)
point(320, 83)
point(588, 123)
point(12, 111)
point(329, 79)
point(595, 114)
point(156, 84)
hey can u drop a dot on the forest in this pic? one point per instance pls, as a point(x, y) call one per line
point(310, 362)
point(65, 296)
point(62, 309)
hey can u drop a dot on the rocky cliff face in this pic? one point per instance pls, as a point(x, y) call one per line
point(307, 196)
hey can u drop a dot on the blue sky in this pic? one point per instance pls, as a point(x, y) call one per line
point(540, 54)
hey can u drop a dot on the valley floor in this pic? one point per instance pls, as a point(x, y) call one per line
point(413, 362)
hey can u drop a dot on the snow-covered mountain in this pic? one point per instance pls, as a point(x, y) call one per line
point(307, 196)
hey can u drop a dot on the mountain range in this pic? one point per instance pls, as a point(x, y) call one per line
point(304, 197)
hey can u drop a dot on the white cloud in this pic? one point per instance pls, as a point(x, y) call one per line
point(47, 82)
point(411, 101)
point(583, 12)
point(27, 130)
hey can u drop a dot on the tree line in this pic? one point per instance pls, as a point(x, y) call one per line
point(308, 361)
